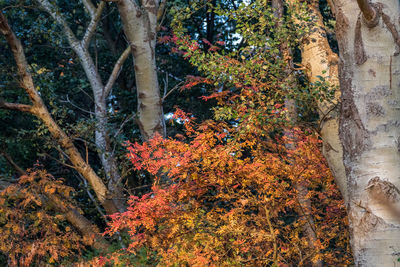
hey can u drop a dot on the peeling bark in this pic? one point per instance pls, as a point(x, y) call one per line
point(370, 129)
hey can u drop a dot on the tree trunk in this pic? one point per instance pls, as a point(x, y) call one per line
point(370, 127)
point(100, 93)
point(304, 208)
point(90, 232)
point(140, 26)
point(320, 61)
point(101, 133)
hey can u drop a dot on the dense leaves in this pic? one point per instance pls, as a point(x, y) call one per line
point(33, 228)
point(223, 208)
point(231, 191)
point(240, 180)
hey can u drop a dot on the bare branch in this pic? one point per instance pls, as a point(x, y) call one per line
point(161, 10)
point(56, 14)
point(170, 75)
point(165, 85)
point(44, 154)
point(92, 25)
point(72, 104)
point(19, 170)
point(123, 124)
point(170, 91)
point(42, 113)
point(89, 7)
point(116, 70)
point(23, 70)
point(16, 106)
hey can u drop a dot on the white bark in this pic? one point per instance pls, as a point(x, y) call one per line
point(320, 61)
point(100, 92)
point(140, 26)
point(370, 129)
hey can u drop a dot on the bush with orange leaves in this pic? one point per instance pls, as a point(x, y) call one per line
point(228, 193)
point(32, 228)
point(229, 202)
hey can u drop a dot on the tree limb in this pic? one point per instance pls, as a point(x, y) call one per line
point(16, 106)
point(22, 65)
point(40, 110)
point(116, 70)
point(92, 25)
point(89, 7)
point(161, 10)
point(56, 14)
point(19, 170)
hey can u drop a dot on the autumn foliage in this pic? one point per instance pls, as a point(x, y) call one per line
point(33, 229)
point(226, 191)
point(224, 207)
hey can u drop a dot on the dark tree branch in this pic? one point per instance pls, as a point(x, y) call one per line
point(19, 170)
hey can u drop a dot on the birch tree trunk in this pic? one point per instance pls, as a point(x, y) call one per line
point(140, 26)
point(319, 60)
point(370, 126)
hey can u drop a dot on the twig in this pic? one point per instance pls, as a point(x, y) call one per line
point(72, 104)
point(165, 85)
point(123, 124)
point(271, 230)
point(170, 91)
point(19, 170)
point(59, 161)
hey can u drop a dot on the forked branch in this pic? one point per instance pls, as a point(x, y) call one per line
point(92, 25)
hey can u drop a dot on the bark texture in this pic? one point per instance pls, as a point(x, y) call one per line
point(370, 128)
point(320, 61)
point(140, 26)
